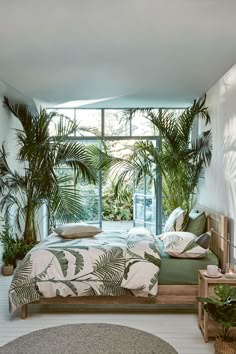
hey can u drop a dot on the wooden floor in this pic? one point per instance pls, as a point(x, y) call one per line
point(177, 327)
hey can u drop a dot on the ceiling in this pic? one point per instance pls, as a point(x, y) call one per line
point(132, 53)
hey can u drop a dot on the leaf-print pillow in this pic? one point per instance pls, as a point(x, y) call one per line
point(176, 221)
point(182, 244)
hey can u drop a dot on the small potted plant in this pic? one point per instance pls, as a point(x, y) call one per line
point(21, 249)
point(222, 309)
point(8, 247)
point(8, 259)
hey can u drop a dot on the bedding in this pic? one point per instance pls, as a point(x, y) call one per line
point(110, 263)
point(77, 230)
point(175, 221)
point(182, 271)
point(197, 222)
point(183, 244)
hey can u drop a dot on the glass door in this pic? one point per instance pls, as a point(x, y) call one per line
point(147, 202)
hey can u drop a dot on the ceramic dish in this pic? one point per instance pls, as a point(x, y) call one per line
point(218, 275)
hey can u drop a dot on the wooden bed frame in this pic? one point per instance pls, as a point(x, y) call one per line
point(167, 294)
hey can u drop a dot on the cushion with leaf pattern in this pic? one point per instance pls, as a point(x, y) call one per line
point(182, 244)
point(175, 221)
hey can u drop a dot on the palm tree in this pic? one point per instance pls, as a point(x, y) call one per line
point(180, 157)
point(40, 154)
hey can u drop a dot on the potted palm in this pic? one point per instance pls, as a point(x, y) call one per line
point(8, 247)
point(222, 309)
point(8, 259)
point(38, 184)
point(180, 158)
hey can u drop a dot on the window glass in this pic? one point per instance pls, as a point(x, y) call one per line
point(89, 122)
point(66, 112)
point(139, 204)
point(150, 208)
point(54, 123)
point(141, 126)
point(115, 123)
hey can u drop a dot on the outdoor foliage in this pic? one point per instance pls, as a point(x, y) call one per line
point(117, 206)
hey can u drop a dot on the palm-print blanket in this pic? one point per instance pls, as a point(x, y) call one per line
point(111, 263)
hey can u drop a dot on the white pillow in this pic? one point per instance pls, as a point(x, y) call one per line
point(182, 244)
point(77, 230)
point(175, 221)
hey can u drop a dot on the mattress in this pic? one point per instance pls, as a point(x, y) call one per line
point(182, 271)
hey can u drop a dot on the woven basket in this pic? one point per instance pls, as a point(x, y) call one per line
point(223, 347)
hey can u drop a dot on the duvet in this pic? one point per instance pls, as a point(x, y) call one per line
point(111, 263)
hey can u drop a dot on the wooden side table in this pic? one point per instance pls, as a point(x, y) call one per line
point(206, 286)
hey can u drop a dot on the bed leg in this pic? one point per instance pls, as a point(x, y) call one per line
point(23, 312)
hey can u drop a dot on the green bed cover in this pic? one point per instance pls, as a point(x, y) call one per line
point(182, 271)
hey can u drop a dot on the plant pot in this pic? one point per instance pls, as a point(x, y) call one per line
point(7, 269)
point(224, 347)
point(18, 261)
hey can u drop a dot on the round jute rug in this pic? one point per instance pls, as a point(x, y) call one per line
point(91, 338)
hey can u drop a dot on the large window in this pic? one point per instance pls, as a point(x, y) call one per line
point(120, 131)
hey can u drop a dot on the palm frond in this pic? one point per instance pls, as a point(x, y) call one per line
point(90, 291)
point(113, 288)
point(65, 203)
point(76, 156)
point(110, 265)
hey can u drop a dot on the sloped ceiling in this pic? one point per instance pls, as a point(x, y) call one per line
point(138, 52)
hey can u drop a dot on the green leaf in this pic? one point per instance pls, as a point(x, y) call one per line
point(79, 260)
point(90, 291)
point(60, 256)
point(23, 272)
point(23, 288)
point(71, 286)
point(127, 269)
point(192, 244)
point(110, 265)
point(154, 247)
point(153, 281)
point(113, 288)
point(223, 291)
point(150, 258)
point(172, 241)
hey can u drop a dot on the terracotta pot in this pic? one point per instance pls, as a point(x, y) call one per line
point(224, 347)
point(7, 269)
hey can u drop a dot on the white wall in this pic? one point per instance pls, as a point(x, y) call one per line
point(218, 189)
point(7, 134)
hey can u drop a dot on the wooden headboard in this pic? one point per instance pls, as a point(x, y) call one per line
point(219, 223)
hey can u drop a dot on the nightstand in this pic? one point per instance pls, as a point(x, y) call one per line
point(206, 286)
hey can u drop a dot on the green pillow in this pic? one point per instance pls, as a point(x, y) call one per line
point(196, 223)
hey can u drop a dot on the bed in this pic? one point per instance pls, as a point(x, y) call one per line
point(169, 292)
